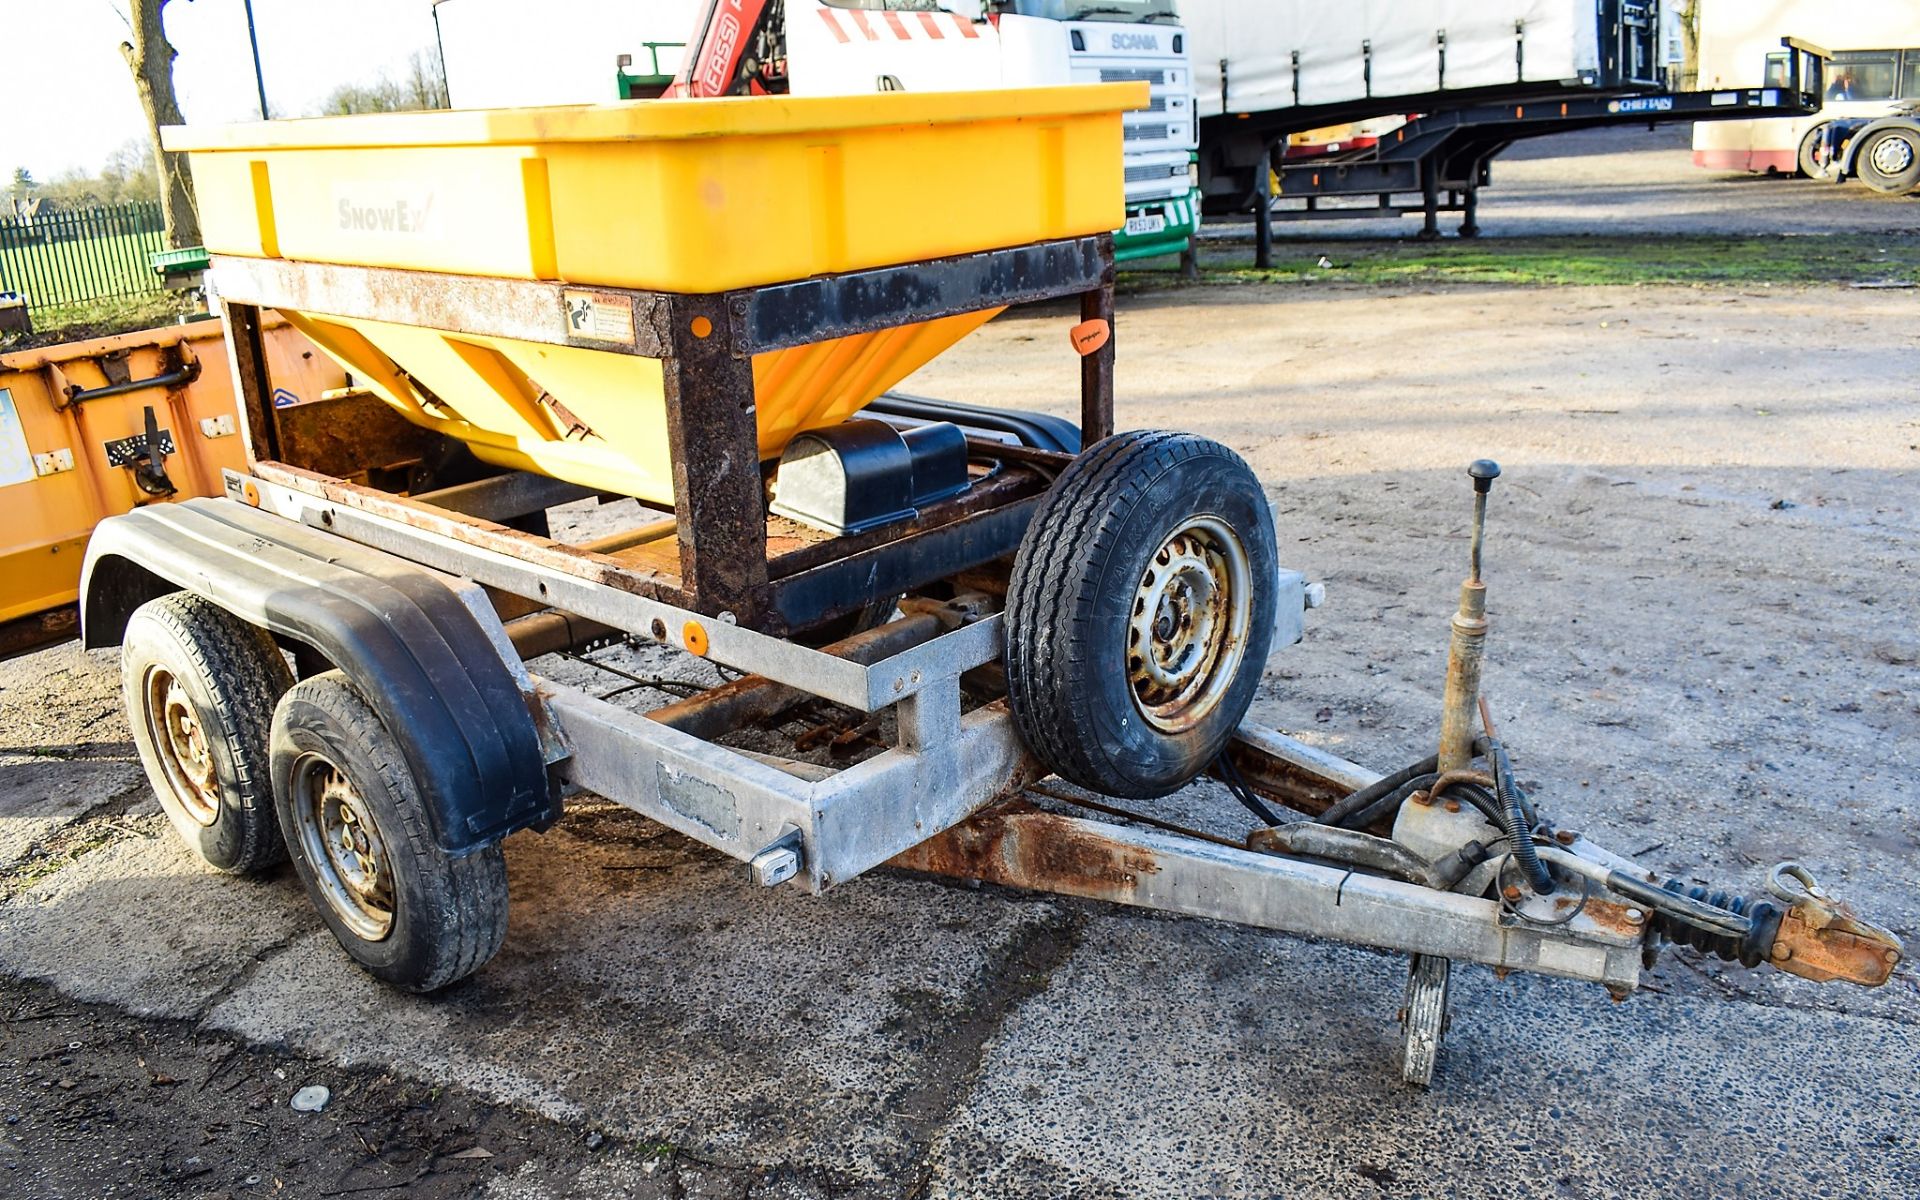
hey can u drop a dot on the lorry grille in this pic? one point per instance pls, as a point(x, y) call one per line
point(1145, 133)
point(1155, 172)
point(1131, 75)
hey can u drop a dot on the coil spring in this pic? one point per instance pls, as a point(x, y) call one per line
point(1749, 951)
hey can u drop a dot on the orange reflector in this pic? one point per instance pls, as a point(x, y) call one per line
point(1089, 336)
point(250, 493)
point(693, 636)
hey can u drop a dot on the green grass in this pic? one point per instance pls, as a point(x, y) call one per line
point(1574, 261)
point(98, 318)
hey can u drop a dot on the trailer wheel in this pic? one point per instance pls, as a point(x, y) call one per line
point(1889, 160)
point(200, 685)
point(356, 828)
point(1424, 1018)
point(1815, 154)
point(1139, 613)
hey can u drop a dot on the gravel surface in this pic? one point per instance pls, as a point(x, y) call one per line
point(1702, 561)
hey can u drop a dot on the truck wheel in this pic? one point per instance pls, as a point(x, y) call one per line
point(200, 685)
point(1139, 613)
point(1889, 160)
point(1815, 154)
point(357, 830)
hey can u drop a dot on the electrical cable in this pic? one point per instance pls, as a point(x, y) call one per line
point(1237, 784)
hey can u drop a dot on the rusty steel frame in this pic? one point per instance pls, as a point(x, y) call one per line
point(933, 802)
point(1016, 844)
point(599, 589)
point(944, 797)
point(706, 344)
point(23, 635)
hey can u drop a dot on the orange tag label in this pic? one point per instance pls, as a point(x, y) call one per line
point(1089, 336)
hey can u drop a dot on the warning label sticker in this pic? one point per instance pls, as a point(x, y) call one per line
point(599, 316)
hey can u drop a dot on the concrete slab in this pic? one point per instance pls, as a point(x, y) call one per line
point(1187, 1059)
point(145, 926)
point(64, 748)
point(647, 989)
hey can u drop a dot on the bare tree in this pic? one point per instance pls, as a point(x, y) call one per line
point(127, 177)
point(129, 172)
point(421, 87)
point(1690, 43)
point(426, 86)
point(150, 57)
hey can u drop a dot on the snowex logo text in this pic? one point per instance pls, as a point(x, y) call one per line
point(383, 210)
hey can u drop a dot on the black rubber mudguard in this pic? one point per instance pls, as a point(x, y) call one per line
point(403, 638)
point(1041, 431)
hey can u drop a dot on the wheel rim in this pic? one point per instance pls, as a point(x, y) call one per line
point(1818, 150)
point(1187, 631)
point(343, 846)
point(1891, 155)
point(180, 743)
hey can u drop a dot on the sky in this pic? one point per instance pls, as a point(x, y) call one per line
point(68, 101)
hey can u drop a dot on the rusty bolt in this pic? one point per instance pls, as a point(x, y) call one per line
point(1453, 806)
point(1893, 956)
point(1511, 892)
point(1566, 837)
point(1421, 798)
point(1782, 952)
point(1635, 916)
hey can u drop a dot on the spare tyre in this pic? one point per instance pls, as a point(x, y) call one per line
point(1140, 612)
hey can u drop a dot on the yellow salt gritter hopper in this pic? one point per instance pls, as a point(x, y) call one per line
point(686, 196)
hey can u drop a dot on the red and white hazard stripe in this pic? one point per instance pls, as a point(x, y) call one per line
point(850, 24)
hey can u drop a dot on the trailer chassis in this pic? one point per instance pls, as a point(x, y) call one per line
point(430, 606)
point(956, 794)
point(1440, 160)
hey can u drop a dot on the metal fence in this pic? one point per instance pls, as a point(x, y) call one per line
point(76, 255)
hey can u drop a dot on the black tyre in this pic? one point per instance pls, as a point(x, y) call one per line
point(200, 685)
point(1889, 160)
point(357, 830)
point(1815, 154)
point(1140, 612)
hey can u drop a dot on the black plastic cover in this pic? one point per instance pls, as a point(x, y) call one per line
point(862, 474)
point(1041, 431)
